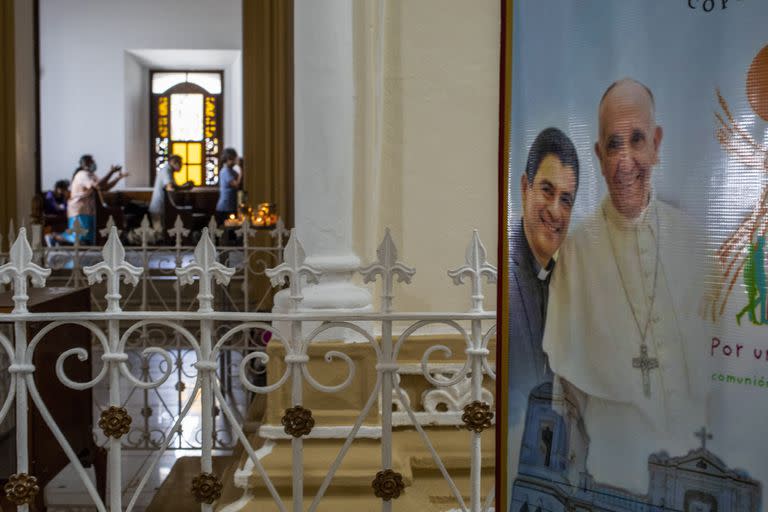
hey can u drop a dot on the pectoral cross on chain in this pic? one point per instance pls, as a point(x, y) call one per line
point(645, 364)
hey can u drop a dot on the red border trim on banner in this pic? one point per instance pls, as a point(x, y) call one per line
point(505, 103)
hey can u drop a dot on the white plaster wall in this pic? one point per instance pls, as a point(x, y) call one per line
point(83, 68)
point(136, 119)
point(233, 104)
point(438, 176)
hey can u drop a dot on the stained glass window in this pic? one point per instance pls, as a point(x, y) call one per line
point(187, 121)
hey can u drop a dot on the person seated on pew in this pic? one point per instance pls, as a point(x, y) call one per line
point(164, 181)
point(55, 202)
point(229, 183)
point(82, 202)
point(54, 210)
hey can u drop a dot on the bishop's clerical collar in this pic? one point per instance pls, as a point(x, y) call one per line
point(620, 221)
point(542, 273)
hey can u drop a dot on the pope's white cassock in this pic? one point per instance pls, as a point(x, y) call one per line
point(594, 341)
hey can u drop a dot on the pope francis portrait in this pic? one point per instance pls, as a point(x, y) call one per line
point(621, 331)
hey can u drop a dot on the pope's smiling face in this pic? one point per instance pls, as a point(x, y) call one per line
point(547, 205)
point(628, 146)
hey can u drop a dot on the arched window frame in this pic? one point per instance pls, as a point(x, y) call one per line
point(160, 142)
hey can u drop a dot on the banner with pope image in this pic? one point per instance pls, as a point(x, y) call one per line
point(636, 366)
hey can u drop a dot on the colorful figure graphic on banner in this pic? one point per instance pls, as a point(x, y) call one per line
point(754, 282)
point(737, 251)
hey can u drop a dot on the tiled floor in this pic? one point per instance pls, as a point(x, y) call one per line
point(67, 492)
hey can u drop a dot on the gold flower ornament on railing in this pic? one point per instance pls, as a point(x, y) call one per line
point(298, 421)
point(206, 488)
point(21, 489)
point(477, 416)
point(115, 422)
point(388, 484)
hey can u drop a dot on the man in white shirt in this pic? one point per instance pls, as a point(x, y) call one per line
point(164, 181)
point(621, 326)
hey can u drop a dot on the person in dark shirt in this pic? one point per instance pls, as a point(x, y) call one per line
point(548, 186)
point(229, 183)
point(56, 200)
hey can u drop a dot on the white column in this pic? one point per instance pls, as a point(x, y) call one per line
point(324, 110)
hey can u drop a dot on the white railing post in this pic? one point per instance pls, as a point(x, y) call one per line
point(279, 234)
point(294, 269)
point(387, 267)
point(475, 268)
point(147, 234)
point(178, 232)
point(78, 231)
point(245, 230)
point(19, 268)
point(206, 268)
point(113, 268)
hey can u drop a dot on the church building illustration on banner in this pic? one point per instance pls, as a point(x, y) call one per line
point(552, 472)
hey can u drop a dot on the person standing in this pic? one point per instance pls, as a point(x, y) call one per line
point(164, 182)
point(229, 183)
point(82, 202)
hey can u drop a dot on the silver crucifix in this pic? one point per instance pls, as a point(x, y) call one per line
point(645, 364)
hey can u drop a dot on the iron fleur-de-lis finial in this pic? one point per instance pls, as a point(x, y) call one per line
point(108, 228)
point(178, 231)
point(245, 229)
point(213, 230)
point(113, 267)
point(206, 267)
point(19, 268)
point(293, 267)
point(388, 268)
point(475, 268)
point(146, 231)
point(280, 232)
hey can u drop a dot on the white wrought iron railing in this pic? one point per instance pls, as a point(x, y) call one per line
point(113, 327)
point(149, 248)
point(248, 289)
